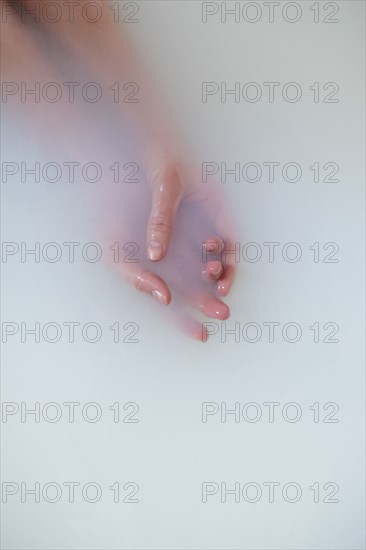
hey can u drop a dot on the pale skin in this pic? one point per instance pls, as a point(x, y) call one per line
point(182, 227)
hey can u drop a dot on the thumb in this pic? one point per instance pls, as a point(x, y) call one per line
point(167, 192)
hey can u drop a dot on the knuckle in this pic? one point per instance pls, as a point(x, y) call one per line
point(160, 223)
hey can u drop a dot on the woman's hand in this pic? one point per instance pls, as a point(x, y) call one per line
point(184, 236)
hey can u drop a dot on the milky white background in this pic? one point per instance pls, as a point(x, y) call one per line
point(170, 452)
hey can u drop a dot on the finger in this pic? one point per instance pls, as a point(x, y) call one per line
point(188, 324)
point(146, 281)
point(193, 328)
point(198, 298)
point(229, 252)
point(226, 281)
point(167, 192)
point(213, 245)
point(214, 308)
point(212, 271)
point(152, 284)
point(209, 305)
point(229, 258)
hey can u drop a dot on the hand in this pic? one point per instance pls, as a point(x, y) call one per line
point(184, 235)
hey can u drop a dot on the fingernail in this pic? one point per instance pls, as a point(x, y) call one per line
point(221, 288)
point(155, 250)
point(216, 271)
point(160, 297)
point(210, 247)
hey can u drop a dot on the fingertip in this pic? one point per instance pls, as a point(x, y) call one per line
point(213, 245)
point(155, 251)
point(204, 334)
point(151, 284)
point(164, 298)
point(225, 312)
point(189, 325)
point(223, 288)
point(226, 281)
point(212, 271)
point(215, 309)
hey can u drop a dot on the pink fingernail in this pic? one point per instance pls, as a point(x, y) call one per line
point(160, 297)
point(217, 271)
point(216, 310)
point(155, 250)
point(222, 289)
point(210, 247)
